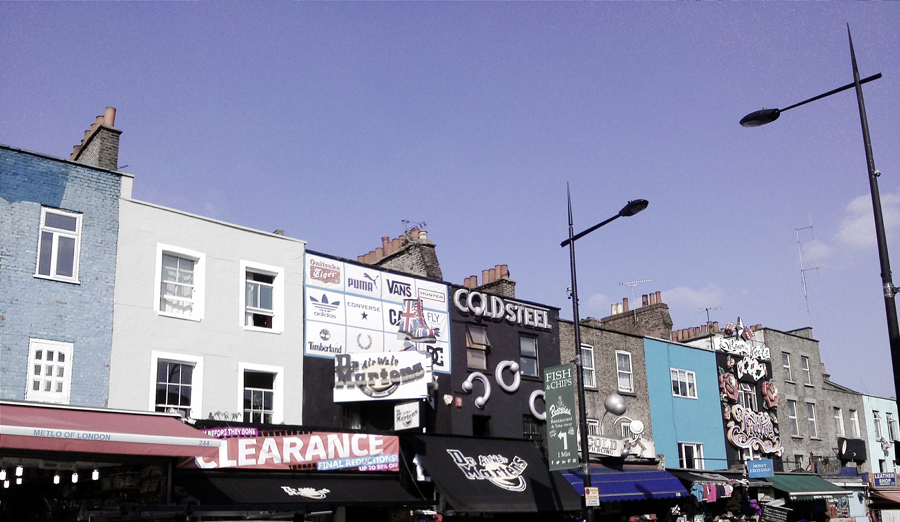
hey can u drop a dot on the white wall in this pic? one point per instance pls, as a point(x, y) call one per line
point(217, 341)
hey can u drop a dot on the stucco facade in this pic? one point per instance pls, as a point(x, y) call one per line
point(59, 222)
point(214, 304)
point(881, 433)
point(691, 417)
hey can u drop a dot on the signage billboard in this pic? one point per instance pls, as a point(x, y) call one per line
point(353, 309)
point(884, 480)
point(381, 376)
point(559, 396)
point(328, 451)
point(406, 415)
point(760, 468)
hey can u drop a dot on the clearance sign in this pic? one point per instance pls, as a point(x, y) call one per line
point(328, 451)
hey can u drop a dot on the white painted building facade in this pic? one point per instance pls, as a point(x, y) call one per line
point(208, 318)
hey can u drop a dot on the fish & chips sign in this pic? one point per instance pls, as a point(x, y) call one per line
point(328, 451)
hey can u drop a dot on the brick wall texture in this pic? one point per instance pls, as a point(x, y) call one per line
point(32, 307)
point(651, 320)
point(605, 343)
point(417, 259)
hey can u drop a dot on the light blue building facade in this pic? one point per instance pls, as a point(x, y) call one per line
point(58, 230)
point(685, 410)
point(883, 433)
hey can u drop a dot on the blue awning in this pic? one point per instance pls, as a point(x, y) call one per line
point(628, 483)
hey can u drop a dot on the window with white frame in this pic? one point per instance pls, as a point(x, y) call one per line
point(786, 364)
point(625, 429)
point(528, 356)
point(690, 455)
point(811, 418)
point(792, 418)
point(587, 366)
point(178, 382)
point(180, 280)
point(804, 365)
point(879, 432)
point(593, 426)
point(477, 346)
point(261, 393)
point(263, 291)
point(684, 383)
point(58, 245)
point(892, 429)
point(798, 462)
point(747, 396)
point(623, 368)
point(854, 423)
point(839, 422)
point(49, 371)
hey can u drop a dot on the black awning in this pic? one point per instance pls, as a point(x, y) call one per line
point(493, 475)
point(286, 489)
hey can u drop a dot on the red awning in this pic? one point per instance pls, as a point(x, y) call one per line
point(88, 430)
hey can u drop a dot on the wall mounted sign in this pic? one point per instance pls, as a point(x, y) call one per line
point(760, 468)
point(748, 429)
point(884, 480)
point(406, 415)
point(353, 309)
point(384, 376)
point(559, 396)
point(328, 451)
point(494, 308)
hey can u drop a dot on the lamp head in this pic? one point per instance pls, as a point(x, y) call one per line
point(761, 117)
point(633, 207)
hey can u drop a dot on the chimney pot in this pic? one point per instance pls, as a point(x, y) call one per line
point(485, 277)
point(423, 235)
point(109, 118)
point(644, 300)
point(658, 297)
point(625, 304)
point(384, 241)
point(504, 271)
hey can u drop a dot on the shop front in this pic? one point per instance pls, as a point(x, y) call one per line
point(884, 496)
point(502, 479)
point(721, 495)
point(66, 463)
point(630, 490)
point(808, 497)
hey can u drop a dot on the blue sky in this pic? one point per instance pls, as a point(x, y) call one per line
point(337, 121)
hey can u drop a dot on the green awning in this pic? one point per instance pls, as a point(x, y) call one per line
point(805, 487)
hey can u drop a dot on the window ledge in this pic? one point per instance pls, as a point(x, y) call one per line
point(627, 393)
point(809, 385)
point(263, 330)
point(58, 279)
point(177, 316)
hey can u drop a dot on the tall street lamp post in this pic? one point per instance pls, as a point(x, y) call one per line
point(755, 119)
point(632, 208)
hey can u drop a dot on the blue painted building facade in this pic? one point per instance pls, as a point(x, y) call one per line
point(59, 224)
point(685, 410)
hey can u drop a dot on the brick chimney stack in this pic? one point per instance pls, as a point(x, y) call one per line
point(100, 145)
point(494, 281)
point(651, 318)
point(412, 253)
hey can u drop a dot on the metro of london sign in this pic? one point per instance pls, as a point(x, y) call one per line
point(494, 308)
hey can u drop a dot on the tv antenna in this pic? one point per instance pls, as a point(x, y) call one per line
point(633, 284)
point(408, 226)
point(707, 312)
point(804, 270)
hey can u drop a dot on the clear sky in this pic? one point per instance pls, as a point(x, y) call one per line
point(337, 121)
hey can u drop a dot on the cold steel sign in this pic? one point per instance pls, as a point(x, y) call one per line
point(493, 308)
point(353, 309)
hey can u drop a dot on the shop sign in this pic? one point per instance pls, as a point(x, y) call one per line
point(494, 308)
point(559, 395)
point(591, 496)
point(884, 480)
point(406, 415)
point(772, 513)
point(609, 446)
point(497, 469)
point(760, 468)
point(328, 451)
point(358, 309)
point(748, 429)
point(386, 376)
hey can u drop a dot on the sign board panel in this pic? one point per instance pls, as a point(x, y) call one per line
point(608, 446)
point(328, 451)
point(406, 415)
point(559, 396)
point(591, 496)
point(760, 468)
point(884, 480)
point(381, 376)
point(774, 513)
point(359, 309)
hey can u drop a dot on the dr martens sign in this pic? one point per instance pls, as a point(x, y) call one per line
point(493, 308)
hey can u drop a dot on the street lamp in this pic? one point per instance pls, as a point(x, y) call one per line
point(755, 119)
point(632, 208)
